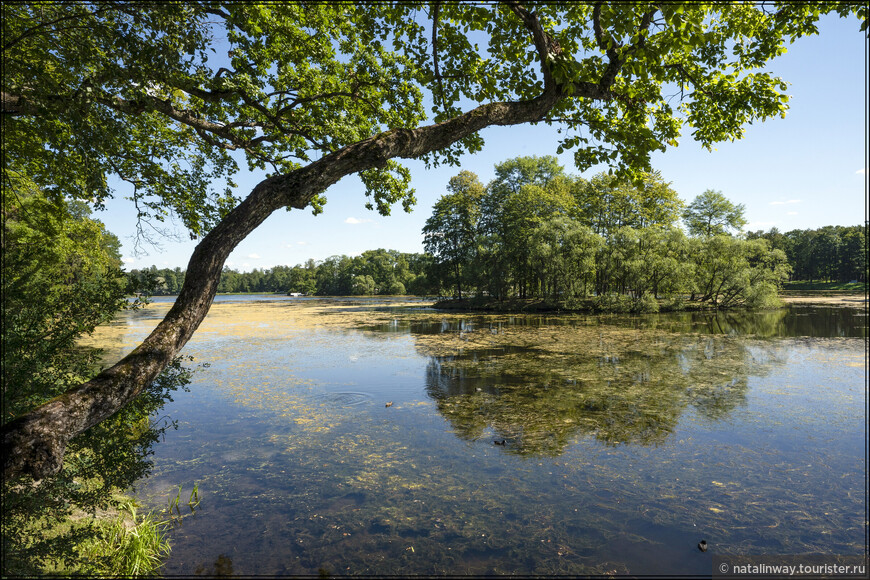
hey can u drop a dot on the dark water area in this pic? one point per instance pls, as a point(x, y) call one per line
point(363, 437)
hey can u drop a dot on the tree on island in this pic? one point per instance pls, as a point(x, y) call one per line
point(313, 92)
point(451, 231)
point(711, 213)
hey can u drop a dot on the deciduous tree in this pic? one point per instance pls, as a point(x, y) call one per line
point(711, 214)
point(313, 92)
point(450, 233)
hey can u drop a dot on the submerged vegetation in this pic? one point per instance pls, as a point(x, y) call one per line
point(650, 431)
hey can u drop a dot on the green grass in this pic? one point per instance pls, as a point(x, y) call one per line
point(825, 286)
point(128, 545)
point(118, 542)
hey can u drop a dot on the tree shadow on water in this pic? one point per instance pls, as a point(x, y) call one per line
point(221, 568)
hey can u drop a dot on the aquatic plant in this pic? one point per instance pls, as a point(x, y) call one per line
point(648, 430)
point(131, 547)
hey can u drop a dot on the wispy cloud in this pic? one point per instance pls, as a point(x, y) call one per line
point(862, 171)
point(254, 256)
point(128, 260)
point(785, 202)
point(791, 213)
point(353, 220)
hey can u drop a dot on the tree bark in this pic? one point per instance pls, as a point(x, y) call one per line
point(34, 444)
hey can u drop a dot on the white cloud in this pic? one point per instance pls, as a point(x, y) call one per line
point(862, 171)
point(128, 260)
point(785, 202)
point(301, 243)
point(791, 213)
point(353, 220)
point(254, 256)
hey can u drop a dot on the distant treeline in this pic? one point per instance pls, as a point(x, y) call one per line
point(373, 272)
point(537, 232)
point(829, 254)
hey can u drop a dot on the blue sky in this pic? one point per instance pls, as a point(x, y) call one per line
point(805, 171)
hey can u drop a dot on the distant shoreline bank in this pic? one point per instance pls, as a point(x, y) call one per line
point(853, 300)
point(805, 299)
point(800, 298)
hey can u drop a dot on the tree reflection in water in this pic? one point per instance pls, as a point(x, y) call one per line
point(541, 389)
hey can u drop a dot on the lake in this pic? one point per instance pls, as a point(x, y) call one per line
point(368, 436)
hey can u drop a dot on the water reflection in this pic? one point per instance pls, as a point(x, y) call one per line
point(647, 432)
point(221, 568)
point(787, 322)
point(795, 321)
point(539, 382)
point(633, 396)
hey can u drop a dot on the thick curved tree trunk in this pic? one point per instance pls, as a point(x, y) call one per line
point(34, 444)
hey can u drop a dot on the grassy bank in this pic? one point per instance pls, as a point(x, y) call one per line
point(824, 287)
point(609, 305)
point(126, 544)
point(114, 542)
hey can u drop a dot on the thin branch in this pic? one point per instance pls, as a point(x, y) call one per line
point(643, 31)
point(694, 81)
point(598, 30)
point(436, 9)
point(609, 75)
point(35, 29)
point(217, 12)
point(547, 48)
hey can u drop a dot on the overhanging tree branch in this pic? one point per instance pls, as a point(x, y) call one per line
point(39, 438)
point(47, 98)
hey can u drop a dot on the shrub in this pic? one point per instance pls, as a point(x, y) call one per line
point(645, 303)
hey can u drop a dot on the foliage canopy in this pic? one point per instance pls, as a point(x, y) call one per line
point(61, 278)
point(161, 95)
point(605, 243)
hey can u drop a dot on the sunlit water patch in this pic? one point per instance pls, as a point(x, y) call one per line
point(361, 438)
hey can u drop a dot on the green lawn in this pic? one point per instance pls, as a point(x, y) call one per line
point(830, 286)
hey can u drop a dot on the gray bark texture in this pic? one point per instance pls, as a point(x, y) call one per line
point(34, 444)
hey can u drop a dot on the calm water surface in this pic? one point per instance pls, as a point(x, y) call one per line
point(513, 444)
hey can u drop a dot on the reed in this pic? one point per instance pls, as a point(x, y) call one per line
point(193, 501)
point(128, 546)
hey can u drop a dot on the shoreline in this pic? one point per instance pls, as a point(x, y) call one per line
point(848, 300)
point(804, 298)
point(518, 306)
